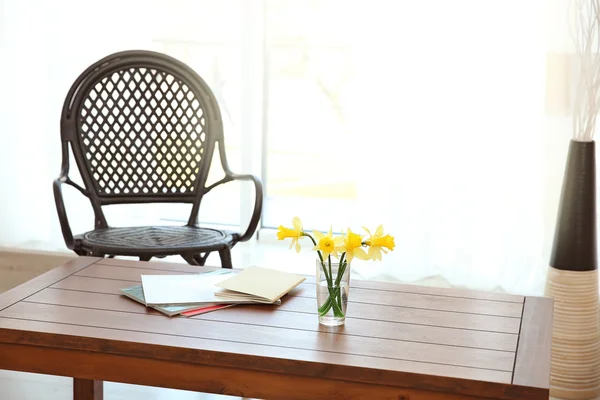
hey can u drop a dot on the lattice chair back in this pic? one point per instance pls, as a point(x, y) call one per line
point(142, 127)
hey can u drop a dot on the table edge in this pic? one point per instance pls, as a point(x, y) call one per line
point(534, 344)
point(44, 280)
point(267, 364)
point(233, 381)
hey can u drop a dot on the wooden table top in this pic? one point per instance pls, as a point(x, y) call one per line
point(465, 343)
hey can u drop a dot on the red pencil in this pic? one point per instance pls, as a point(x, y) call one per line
point(202, 310)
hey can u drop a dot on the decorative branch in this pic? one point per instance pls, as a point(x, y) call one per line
point(586, 37)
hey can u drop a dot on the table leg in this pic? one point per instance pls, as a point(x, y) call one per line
point(86, 389)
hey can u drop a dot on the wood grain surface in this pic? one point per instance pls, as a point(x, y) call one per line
point(398, 340)
point(535, 343)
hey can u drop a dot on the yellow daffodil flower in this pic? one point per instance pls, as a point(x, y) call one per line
point(294, 233)
point(352, 243)
point(327, 244)
point(345, 247)
point(378, 243)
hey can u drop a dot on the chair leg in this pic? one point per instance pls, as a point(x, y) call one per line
point(145, 258)
point(190, 259)
point(201, 258)
point(225, 254)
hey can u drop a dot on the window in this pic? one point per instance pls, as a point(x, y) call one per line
point(309, 129)
point(330, 101)
point(425, 116)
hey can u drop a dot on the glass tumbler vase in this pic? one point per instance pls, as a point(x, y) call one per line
point(333, 288)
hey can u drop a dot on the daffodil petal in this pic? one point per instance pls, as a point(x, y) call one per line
point(297, 224)
point(367, 229)
point(318, 235)
point(377, 254)
point(379, 230)
point(370, 253)
point(360, 254)
point(297, 247)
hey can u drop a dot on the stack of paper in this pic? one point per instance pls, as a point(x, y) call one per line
point(256, 284)
point(188, 295)
point(170, 290)
point(137, 293)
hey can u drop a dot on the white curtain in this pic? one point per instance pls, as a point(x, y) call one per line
point(455, 143)
point(459, 113)
point(44, 46)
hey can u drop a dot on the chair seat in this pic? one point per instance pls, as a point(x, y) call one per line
point(154, 240)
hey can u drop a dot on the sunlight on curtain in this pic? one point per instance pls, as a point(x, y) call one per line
point(427, 117)
point(438, 119)
point(459, 146)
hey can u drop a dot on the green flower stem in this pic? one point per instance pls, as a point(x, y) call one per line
point(329, 262)
point(324, 309)
point(340, 274)
point(341, 271)
point(343, 264)
point(337, 311)
point(333, 292)
point(336, 290)
point(336, 298)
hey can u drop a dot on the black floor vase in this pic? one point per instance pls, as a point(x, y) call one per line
point(572, 281)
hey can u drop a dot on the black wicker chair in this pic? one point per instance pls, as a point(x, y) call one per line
point(143, 128)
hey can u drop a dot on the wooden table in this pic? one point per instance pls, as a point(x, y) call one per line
point(399, 342)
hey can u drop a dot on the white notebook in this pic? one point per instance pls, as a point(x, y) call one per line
point(258, 284)
point(169, 290)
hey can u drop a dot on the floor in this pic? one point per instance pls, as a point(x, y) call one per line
point(25, 386)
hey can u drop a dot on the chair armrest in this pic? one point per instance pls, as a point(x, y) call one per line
point(258, 203)
point(60, 209)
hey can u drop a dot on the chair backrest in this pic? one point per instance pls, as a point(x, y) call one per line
point(143, 127)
